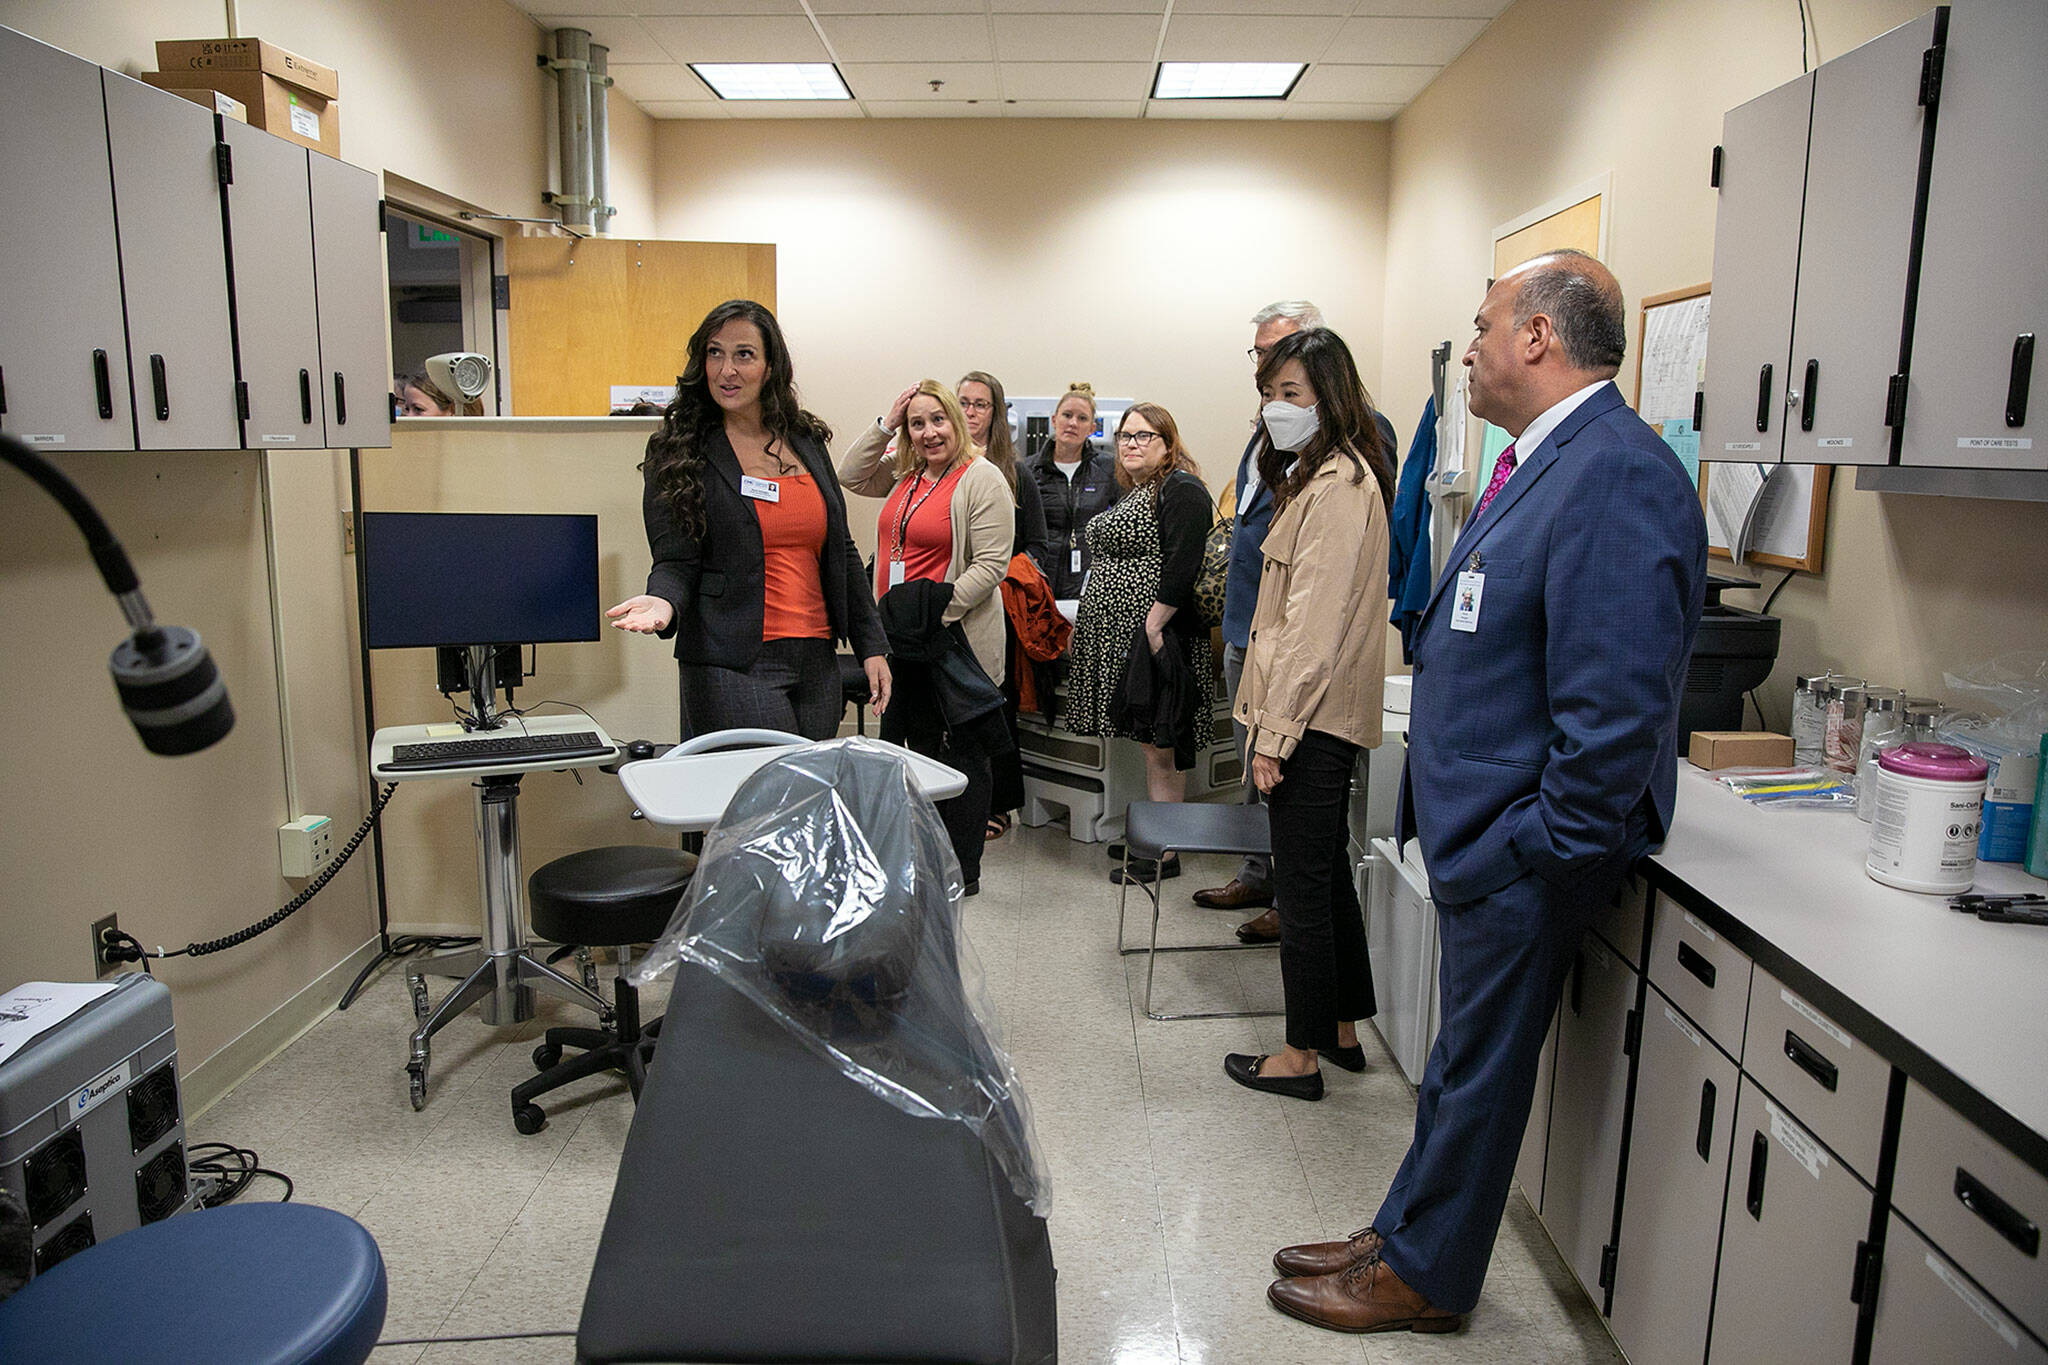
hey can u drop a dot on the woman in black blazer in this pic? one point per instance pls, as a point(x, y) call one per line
point(754, 573)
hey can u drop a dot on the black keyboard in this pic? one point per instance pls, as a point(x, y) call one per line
point(496, 750)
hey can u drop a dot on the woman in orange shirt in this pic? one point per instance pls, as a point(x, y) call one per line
point(754, 573)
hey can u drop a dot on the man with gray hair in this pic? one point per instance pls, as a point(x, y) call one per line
point(1542, 762)
point(1253, 884)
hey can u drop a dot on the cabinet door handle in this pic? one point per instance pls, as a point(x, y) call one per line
point(1808, 1059)
point(1763, 399)
point(305, 396)
point(103, 383)
point(1806, 398)
point(2007, 1221)
point(1703, 1140)
point(2022, 377)
point(3, 393)
point(340, 402)
point(1695, 962)
point(1759, 1157)
point(160, 383)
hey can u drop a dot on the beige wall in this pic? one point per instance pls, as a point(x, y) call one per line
point(1557, 92)
point(1127, 254)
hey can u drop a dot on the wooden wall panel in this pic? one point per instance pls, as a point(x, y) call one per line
point(589, 314)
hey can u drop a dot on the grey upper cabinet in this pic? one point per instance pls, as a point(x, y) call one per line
point(348, 271)
point(63, 357)
point(1756, 271)
point(180, 355)
point(1862, 171)
point(1976, 396)
point(276, 313)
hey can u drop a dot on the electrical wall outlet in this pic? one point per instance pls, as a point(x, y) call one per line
point(305, 846)
point(101, 927)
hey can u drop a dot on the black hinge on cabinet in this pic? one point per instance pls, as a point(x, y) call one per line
point(501, 292)
point(383, 209)
point(224, 163)
point(242, 398)
point(1869, 1265)
point(1607, 1255)
point(1632, 1033)
point(1930, 76)
point(1714, 176)
point(1895, 401)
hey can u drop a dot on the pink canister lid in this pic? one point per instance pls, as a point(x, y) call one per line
point(1941, 762)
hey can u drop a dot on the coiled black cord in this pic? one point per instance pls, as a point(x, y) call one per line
point(235, 1168)
point(122, 946)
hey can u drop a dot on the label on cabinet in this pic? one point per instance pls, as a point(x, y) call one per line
point(1708, 934)
point(280, 440)
point(1981, 1306)
point(1994, 443)
point(1814, 1017)
point(1744, 445)
point(1796, 1142)
point(1678, 1022)
point(1835, 442)
point(56, 440)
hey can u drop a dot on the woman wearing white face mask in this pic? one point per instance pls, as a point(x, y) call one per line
point(1313, 678)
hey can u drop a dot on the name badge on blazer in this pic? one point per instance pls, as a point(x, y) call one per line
point(767, 490)
point(1465, 597)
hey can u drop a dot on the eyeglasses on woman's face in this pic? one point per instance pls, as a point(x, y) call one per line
point(1137, 440)
point(976, 405)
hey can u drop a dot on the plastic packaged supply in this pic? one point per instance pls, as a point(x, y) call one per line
point(1794, 788)
point(1810, 717)
point(1930, 802)
point(1884, 724)
point(2037, 841)
point(1922, 715)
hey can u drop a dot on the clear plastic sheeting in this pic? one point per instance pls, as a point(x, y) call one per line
point(829, 896)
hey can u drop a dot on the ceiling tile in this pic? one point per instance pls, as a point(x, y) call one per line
point(932, 109)
point(670, 8)
point(691, 109)
point(1074, 109)
point(1396, 42)
point(824, 8)
point(1080, 6)
point(908, 38)
point(663, 82)
point(739, 39)
point(1242, 38)
point(1432, 9)
point(1328, 83)
point(871, 81)
point(746, 109)
point(1239, 110)
point(1077, 80)
point(1076, 37)
point(628, 41)
point(1271, 8)
point(1366, 113)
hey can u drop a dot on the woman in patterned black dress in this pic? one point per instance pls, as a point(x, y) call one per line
point(1145, 554)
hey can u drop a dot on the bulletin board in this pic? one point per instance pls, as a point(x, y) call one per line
point(1791, 526)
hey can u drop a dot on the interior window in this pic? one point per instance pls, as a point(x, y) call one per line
point(440, 295)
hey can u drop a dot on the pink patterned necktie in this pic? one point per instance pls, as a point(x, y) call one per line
point(1502, 467)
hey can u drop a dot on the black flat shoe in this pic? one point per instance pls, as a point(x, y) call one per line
point(1245, 1071)
point(1145, 870)
point(1350, 1058)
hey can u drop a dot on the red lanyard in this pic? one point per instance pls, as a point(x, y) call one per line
point(909, 509)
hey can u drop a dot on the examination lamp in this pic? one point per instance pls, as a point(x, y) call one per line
point(460, 374)
point(166, 680)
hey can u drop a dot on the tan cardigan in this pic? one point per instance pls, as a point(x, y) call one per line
point(984, 526)
point(1317, 654)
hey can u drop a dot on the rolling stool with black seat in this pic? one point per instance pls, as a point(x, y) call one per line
point(601, 898)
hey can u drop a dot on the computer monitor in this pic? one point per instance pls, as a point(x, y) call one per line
point(454, 579)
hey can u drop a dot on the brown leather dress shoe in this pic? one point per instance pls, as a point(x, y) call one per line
point(1260, 929)
point(1233, 896)
point(1327, 1258)
point(1369, 1297)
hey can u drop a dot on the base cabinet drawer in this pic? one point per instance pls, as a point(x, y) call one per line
point(1700, 972)
point(1671, 1205)
point(1789, 1243)
point(1927, 1310)
point(1835, 1084)
point(1981, 1205)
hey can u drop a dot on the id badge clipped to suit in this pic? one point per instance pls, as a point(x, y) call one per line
point(764, 490)
point(1466, 595)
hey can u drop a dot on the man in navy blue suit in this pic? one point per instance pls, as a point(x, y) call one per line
point(1542, 762)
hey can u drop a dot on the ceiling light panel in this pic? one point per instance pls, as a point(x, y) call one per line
point(1225, 80)
point(908, 38)
point(738, 39)
point(773, 80)
point(1076, 37)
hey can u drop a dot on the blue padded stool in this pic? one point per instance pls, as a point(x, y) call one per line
point(247, 1283)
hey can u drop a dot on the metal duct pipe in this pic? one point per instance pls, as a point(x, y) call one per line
point(600, 140)
point(572, 129)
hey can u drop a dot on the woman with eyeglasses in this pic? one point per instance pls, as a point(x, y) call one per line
point(1311, 692)
point(946, 527)
point(987, 411)
point(1076, 484)
point(754, 573)
point(1146, 553)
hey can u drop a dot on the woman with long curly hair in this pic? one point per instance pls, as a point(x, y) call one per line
point(754, 573)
